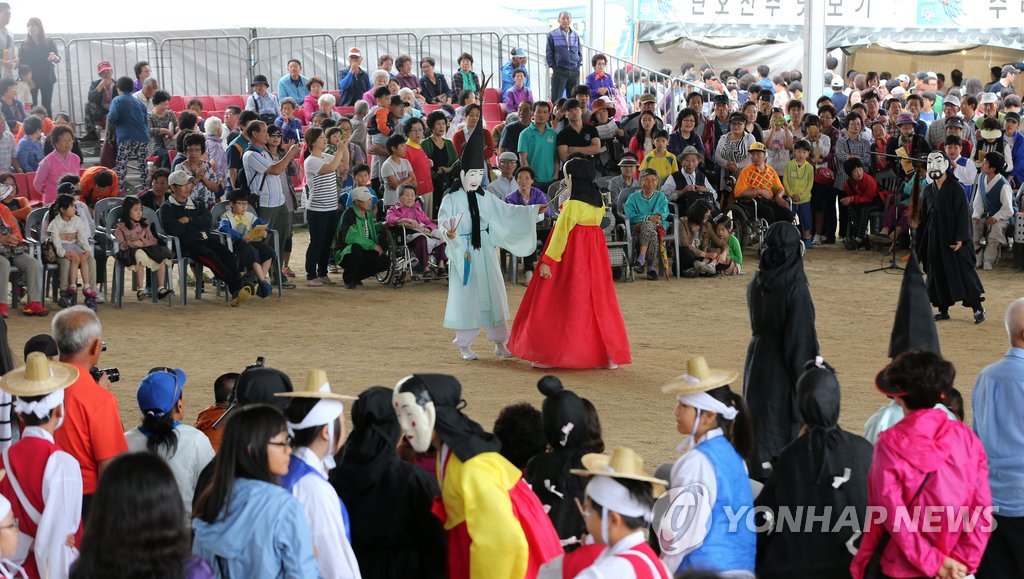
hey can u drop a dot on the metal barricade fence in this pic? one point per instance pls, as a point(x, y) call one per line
point(484, 47)
point(204, 65)
point(373, 46)
point(269, 56)
point(632, 80)
point(84, 53)
point(536, 61)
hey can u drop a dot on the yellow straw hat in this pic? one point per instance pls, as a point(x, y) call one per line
point(622, 463)
point(317, 386)
point(40, 376)
point(699, 377)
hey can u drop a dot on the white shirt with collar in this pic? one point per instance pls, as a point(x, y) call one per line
point(669, 187)
point(501, 187)
point(1005, 196)
point(144, 100)
point(61, 515)
point(323, 512)
point(610, 565)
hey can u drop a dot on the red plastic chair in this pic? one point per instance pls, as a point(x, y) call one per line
point(206, 100)
point(221, 102)
point(177, 103)
point(300, 114)
point(492, 113)
point(26, 188)
point(491, 95)
point(345, 110)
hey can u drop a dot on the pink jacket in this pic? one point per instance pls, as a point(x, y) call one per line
point(399, 211)
point(927, 441)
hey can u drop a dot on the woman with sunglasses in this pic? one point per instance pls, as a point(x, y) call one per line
point(264, 533)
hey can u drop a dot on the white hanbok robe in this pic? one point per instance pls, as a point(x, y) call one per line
point(481, 302)
point(322, 506)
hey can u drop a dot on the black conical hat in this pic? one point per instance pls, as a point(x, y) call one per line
point(473, 150)
point(914, 326)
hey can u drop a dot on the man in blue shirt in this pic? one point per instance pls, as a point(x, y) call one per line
point(293, 84)
point(564, 55)
point(837, 96)
point(352, 81)
point(517, 59)
point(998, 403)
point(537, 147)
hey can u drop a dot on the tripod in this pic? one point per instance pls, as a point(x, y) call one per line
point(893, 266)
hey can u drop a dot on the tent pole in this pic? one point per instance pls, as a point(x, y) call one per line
point(814, 53)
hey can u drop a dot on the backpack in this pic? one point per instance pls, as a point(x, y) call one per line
point(244, 183)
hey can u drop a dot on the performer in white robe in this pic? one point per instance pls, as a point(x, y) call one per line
point(476, 288)
point(316, 423)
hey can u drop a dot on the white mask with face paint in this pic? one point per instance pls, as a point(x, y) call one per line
point(472, 179)
point(938, 164)
point(416, 421)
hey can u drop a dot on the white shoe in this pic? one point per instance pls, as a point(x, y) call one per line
point(817, 240)
point(529, 276)
point(987, 267)
point(502, 352)
point(541, 366)
point(612, 365)
point(467, 353)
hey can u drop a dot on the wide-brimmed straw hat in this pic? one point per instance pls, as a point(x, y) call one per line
point(40, 376)
point(623, 463)
point(699, 377)
point(317, 386)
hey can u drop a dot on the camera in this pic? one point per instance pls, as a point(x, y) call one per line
point(113, 374)
point(259, 363)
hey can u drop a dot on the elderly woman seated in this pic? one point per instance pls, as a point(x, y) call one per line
point(359, 253)
point(647, 212)
point(419, 235)
point(326, 102)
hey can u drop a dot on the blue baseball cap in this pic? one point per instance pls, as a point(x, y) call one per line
point(160, 390)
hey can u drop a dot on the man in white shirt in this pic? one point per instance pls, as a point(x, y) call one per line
point(317, 426)
point(145, 94)
point(505, 183)
point(689, 183)
point(263, 175)
point(991, 210)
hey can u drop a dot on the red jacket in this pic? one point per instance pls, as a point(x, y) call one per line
point(863, 191)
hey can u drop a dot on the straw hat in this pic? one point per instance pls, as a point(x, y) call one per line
point(623, 463)
point(699, 378)
point(317, 386)
point(39, 377)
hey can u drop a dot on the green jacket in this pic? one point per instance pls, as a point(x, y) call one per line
point(356, 230)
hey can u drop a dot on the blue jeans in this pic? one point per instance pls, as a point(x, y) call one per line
point(806, 215)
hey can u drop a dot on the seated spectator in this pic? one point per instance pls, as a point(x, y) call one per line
point(142, 73)
point(72, 240)
point(660, 159)
point(8, 158)
point(427, 247)
point(245, 523)
point(411, 104)
point(161, 129)
point(191, 223)
point(59, 120)
point(249, 240)
point(186, 450)
point(98, 183)
point(352, 81)
point(730, 253)
point(311, 102)
point(862, 197)
point(526, 194)
point(263, 102)
point(57, 164)
point(293, 84)
point(14, 251)
point(139, 528)
point(139, 248)
point(760, 184)
point(518, 93)
point(207, 190)
point(359, 253)
point(9, 197)
point(232, 125)
point(647, 212)
point(433, 86)
point(732, 153)
point(145, 94)
point(290, 126)
point(30, 146)
point(896, 221)
point(223, 387)
point(326, 103)
point(504, 184)
point(195, 106)
point(473, 114)
point(216, 150)
point(188, 124)
point(12, 109)
point(689, 184)
point(101, 93)
point(991, 210)
point(622, 186)
point(405, 77)
point(158, 188)
point(464, 78)
point(685, 133)
point(695, 237)
point(380, 79)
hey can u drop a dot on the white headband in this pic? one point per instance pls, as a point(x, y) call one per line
point(612, 495)
point(39, 408)
point(322, 413)
point(705, 401)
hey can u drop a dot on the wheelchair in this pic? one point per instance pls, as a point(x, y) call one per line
point(749, 227)
point(401, 259)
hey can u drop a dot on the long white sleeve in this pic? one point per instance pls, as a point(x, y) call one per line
point(62, 495)
point(691, 468)
point(322, 506)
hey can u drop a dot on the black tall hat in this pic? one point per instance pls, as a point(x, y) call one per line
point(914, 326)
point(473, 151)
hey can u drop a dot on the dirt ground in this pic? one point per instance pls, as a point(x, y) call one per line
point(377, 335)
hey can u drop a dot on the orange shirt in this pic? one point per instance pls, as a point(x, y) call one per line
point(11, 221)
point(205, 421)
point(751, 178)
point(89, 193)
point(92, 430)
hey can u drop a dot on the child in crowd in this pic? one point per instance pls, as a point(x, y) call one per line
point(964, 171)
point(380, 123)
point(72, 240)
point(30, 146)
point(408, 212)
point(291, 127)
point(798, 180)
point(248, 234)
point(879, 141)
point(660, 159)
point(990, 140)
point(520, 428)
point(896, 221)
point(862, 197)
point(779, 141)
point(18, 205)
point(23, 90)
point(223, 387)
point(730, 254)
point(719, 435)
point(316, 120)
point(395, 171)
point(140, 250)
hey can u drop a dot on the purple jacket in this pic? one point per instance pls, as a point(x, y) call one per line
point(537, 197)
point(595, 83)
point(515, 97)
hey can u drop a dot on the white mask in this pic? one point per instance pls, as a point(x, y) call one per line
point(938, 164)
point(472, 179)
point(417, 422)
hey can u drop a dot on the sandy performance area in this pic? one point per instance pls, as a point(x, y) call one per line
point(377, 335)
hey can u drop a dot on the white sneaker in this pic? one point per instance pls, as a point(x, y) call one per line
point(611, 365)
point(817, 240)
point(502, 352)
point(541, 366)
point(529, 276)
point(467, 353)
point(987, 267)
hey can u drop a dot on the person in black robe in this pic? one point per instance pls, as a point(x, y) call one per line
point(784, 338)
point(805, 477)
point(394, 535)
point(944, 242)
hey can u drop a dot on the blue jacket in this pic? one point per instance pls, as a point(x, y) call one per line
point(352, 86)
point(507, 81)
point(286, 87)
point(266, 535)
point(129, 115)
point(563, 55)
point(1017, 155)
point(998, 403)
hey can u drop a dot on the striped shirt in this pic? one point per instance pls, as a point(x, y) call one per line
point(323, 187)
